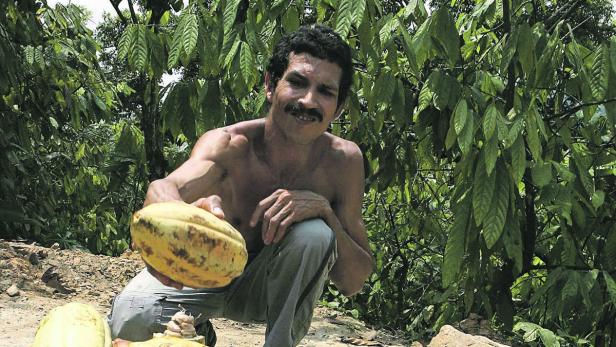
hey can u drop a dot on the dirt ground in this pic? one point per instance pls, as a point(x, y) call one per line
point(34, 279)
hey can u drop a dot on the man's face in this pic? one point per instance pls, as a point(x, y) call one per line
point(305, 99)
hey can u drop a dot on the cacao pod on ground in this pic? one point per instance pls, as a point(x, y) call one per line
point(73, 324)
point(189, 244)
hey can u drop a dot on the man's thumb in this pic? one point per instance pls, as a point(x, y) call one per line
point(215, 206)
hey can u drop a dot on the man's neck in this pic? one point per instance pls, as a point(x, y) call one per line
point(286, 157)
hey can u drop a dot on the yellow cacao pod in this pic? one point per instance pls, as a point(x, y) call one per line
point(189, 244)
point(73, 324)
point(166, 341)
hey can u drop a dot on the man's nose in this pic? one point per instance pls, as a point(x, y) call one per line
point(308, 100)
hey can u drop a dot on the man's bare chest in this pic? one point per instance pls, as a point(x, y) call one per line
point(247, 183)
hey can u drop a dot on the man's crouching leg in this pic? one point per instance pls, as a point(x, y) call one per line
point(285, 282)
point(298, 270)
point(136, 312)
point(145, 306)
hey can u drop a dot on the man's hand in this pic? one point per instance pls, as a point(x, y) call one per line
point(211, 204)
point(285, 207)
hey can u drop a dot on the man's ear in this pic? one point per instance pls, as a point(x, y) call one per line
point(269, 88)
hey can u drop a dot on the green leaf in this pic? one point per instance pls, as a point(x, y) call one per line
point(495, 220)
point(491, 154)
point(483, 191)
point(518, 159)
point(29, 53)
point(454, 249)
point(290, 19)
point(532, 138)
point(125, 41)
point(176, 47)
point(541, 174)
point(610, 285)
point(139, 53)
point(544, 70)
point(247, 65)
point(530, 330)
point(613, 54)
point(451, 137)
point(570, 289)
point(489, 120)
point(190, 33)
point(384, 88)
point(359, 8)
point(460, 116)
point(526, 49)
point(509, 51)
point(344, 17)
point(230, 49)
point(599, 72)
point(548, 338)
point(443, 30)
point(610, 250)
point(425, 97)
point(391, 24)
point(229, 15)
point(598, 198)
point(465, 140)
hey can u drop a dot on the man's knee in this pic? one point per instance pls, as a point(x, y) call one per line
point(311, 234)
point(135, 316)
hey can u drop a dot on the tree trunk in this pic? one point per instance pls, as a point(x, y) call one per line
point(151, 124)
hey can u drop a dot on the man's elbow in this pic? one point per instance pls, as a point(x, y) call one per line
point(354, 284)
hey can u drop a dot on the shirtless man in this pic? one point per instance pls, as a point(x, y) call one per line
point(293, 190)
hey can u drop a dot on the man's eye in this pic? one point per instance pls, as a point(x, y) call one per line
point(327, 92)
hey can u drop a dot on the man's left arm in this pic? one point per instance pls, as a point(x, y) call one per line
point(355, 262)
point(279, 211)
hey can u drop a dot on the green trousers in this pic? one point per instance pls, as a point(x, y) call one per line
point(279, 287)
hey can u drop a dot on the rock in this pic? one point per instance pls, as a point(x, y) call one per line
point(55, 246)
point(448, 336)
point(12, 291)
point(34, 259)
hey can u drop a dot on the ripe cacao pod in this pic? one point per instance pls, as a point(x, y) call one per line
point(189, 244)
point(73, 324)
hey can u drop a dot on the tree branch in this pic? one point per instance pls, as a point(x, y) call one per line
point(579, 107)
point(116, 7)
point(133, 16)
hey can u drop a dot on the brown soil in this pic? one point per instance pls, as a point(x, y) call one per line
point(49, 277)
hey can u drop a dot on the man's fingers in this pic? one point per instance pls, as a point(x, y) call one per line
point(262, 206)
point(213, 204)
point(283, 228)
point(271, 226)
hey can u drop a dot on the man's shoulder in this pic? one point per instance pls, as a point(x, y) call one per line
point(227, 143)
point(342, 149)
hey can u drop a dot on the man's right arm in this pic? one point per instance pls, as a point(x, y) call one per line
point(196, 177)
point(193, 182)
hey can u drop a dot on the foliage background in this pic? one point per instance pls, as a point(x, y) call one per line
point(488, 130)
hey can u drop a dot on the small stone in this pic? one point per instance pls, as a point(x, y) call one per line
point(13, 291)
point(34, 259)
point(55, 246)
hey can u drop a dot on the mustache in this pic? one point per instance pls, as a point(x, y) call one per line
point(296, 108)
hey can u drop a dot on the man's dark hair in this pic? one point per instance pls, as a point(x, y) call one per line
point(320, 42)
